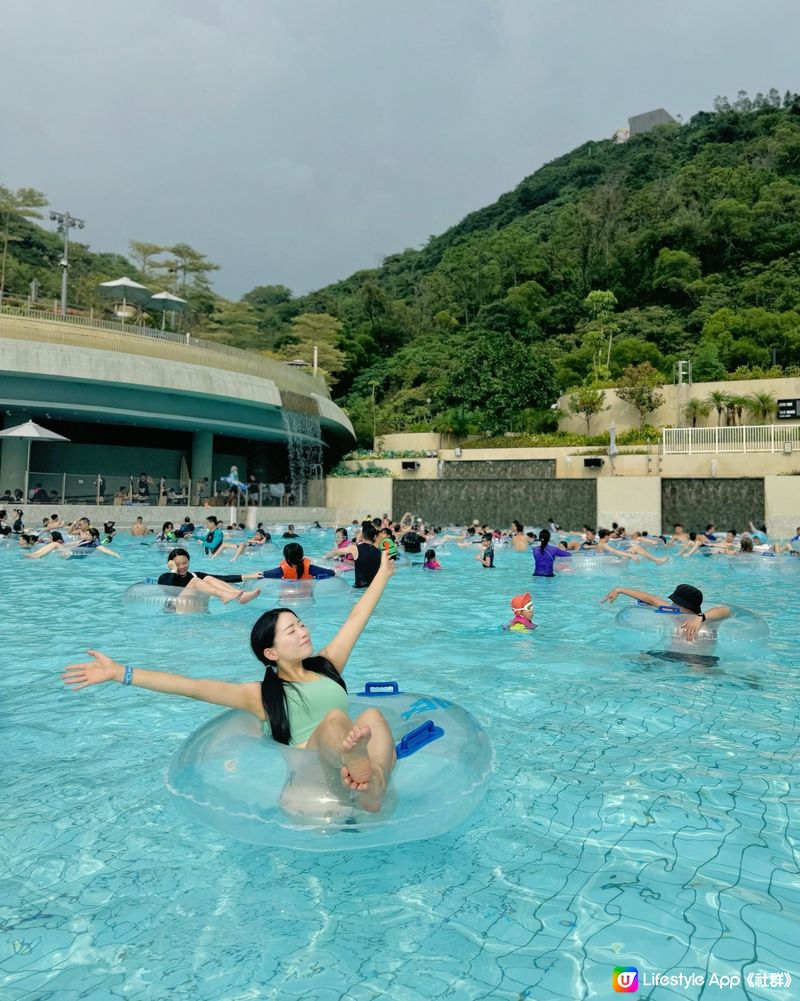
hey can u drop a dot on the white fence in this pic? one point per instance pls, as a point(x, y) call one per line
point(750, 438)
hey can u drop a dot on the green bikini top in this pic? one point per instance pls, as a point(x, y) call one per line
point(307, 702)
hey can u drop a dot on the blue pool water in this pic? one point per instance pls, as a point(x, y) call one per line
point(643, 813)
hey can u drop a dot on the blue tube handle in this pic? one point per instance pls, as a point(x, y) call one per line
point(373, 688)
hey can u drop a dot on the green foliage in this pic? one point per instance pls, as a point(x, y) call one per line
point(587, 402)
point(695, 409)
point(362, 471)
point(310, 331)
point(761, 406)
point(638, 386)
point(497, 376)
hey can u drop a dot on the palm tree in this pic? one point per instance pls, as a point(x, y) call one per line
point(695, 409)
point(718, 400)
point(739, 404)
point(761, 406)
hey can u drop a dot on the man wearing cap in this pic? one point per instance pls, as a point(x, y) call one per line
point(685, 598)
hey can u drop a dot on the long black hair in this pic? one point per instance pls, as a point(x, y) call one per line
point(293, 554)
point(544, 538)
point(273, 688)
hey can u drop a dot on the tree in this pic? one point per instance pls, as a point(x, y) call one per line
point(267, 295)
point(14, 205)
point(497, 376)
point(639, 387)
point(675, 271)
point(143, 254)
point(320, 331)
point(454, 421)
point(717, 399)
point(695, 409)
point(186, 262)
point(761, 406)
point(600, 305)
point(586, 402)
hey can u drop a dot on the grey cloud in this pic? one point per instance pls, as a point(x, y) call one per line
point(296, 142)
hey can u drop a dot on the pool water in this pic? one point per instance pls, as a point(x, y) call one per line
point(643, 813)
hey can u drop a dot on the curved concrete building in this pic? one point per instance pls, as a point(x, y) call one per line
point(134, 398)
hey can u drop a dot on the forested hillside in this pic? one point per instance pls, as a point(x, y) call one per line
point(681, 243)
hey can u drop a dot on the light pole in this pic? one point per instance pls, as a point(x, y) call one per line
point(65, 222)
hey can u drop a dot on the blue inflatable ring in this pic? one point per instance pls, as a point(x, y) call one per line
point(230, 776)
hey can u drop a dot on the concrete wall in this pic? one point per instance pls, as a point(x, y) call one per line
point(671, 413)
point(695, 502)
point(532, 501)
point(782, 505)
point(358, 497)
point(634, 502)
point(154, 515)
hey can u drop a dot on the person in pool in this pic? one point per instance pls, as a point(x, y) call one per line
point(685, 598)
point(486, 556)
point(295, 565)
point(545, 555)
point(179, 575)
point(431, 563)
point(522, 607)
point(301, 700)
point(212, 540)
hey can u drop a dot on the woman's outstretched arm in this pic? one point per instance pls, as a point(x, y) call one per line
point(102, 668)
point(340, 647)
point(648, 599)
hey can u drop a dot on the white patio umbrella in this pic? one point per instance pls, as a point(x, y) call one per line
point(126, 289)
point(166, 302)
point(31, 432)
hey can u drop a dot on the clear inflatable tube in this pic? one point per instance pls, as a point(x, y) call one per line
point(230, 776)
point(646, 627)
point(769, 562)
point(586, 561)
point(299, 592)
point(164, 598)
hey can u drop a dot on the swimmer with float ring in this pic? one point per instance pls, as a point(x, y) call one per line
point(685, 599)
point(301, 701)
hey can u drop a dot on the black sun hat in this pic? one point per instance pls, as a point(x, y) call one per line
point(689, 597)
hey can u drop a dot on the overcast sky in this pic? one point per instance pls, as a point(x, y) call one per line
point(297, 141)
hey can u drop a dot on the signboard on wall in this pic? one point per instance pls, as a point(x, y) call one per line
point(788, 409)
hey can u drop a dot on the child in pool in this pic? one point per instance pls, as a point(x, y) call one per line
point(431, 563)
point(522, 607)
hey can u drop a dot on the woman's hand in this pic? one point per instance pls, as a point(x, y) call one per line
point(95, 672)
point(611, 597)
point(691, 628)
point(387, 565)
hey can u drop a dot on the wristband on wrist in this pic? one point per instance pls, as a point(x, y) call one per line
point(702, 616)
point(127, 677)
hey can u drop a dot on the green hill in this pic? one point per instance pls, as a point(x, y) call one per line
point(694, 228)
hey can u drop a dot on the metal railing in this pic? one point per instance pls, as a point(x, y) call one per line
point(748, 438)
point(29, 323)
point(106, 488)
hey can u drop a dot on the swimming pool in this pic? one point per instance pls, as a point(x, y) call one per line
point(642, 813)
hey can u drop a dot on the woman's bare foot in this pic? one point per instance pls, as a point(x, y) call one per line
point(246, 596)
point(359, 773)
point(663, 559)
point(356, 766)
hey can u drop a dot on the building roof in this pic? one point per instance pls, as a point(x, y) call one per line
point(643, 123)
